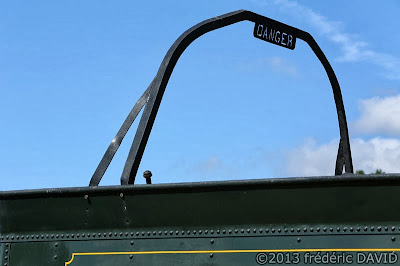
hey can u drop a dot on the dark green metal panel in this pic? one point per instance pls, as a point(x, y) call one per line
point(213, 223)
point(205, 251)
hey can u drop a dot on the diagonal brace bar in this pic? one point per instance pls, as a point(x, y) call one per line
point(116, 142)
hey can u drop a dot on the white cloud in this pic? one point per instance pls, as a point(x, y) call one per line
point(353, 49)
point(311, 159)
point(379, 115)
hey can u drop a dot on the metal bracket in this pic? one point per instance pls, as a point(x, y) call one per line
point(157, 88)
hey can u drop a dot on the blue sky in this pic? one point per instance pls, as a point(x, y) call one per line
point(235, 107)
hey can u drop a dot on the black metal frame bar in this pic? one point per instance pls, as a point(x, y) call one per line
point(116, 142)
point(161, 80)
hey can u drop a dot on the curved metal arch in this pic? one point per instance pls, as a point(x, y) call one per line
point(170, 60)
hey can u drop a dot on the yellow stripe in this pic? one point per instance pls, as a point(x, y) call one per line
point(227, 251)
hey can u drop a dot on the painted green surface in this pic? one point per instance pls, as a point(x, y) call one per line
point(224, 251)
point(196, 224)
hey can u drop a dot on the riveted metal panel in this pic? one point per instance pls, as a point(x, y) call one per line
point(212, 223)
point(301, 250)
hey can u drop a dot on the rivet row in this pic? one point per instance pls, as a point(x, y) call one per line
point(236, 231)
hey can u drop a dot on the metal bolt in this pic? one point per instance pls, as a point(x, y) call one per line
point(55, 257)
point(211, 255)
point(299, 239)
point(131, 256)
point(132, 243)
point(121, 195)
point(147, 175)
point(212, 241)
point(393, 238)
point(56, 244)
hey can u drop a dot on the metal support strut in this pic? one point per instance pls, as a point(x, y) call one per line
point(154, 93)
